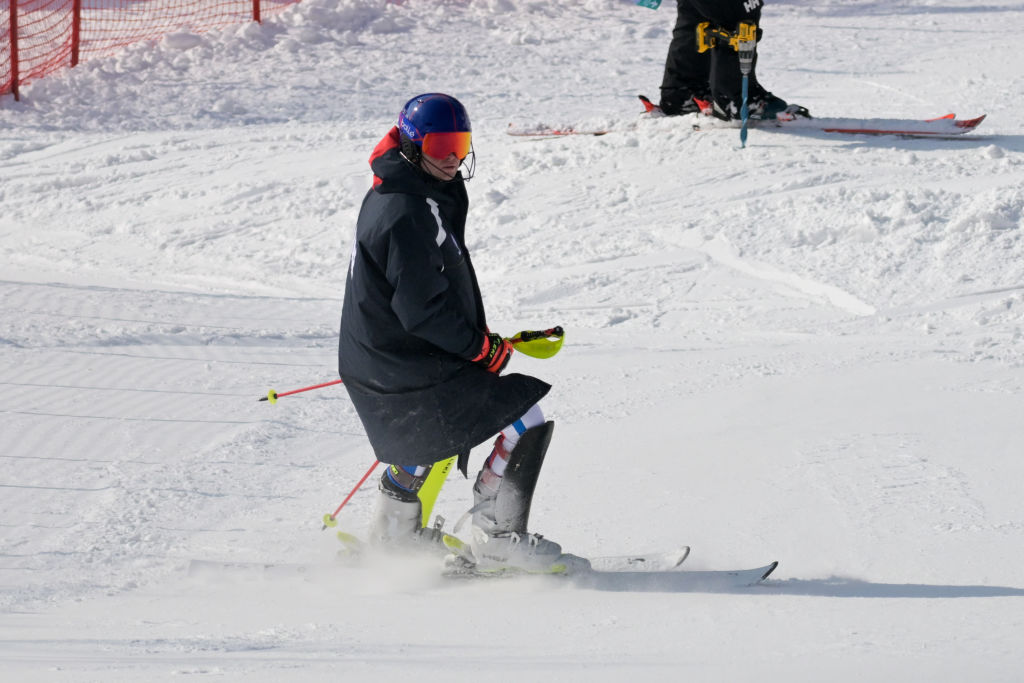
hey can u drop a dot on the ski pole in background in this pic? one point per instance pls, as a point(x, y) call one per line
point(746, 44)
point(272, 395)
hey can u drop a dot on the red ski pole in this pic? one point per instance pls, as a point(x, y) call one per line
point(272, 396)
point(329, 519)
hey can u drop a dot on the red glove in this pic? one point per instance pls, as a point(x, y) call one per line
point(495, 353)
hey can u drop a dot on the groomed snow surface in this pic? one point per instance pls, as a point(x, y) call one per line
point(809, 350)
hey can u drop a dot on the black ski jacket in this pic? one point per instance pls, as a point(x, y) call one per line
point(413, 318)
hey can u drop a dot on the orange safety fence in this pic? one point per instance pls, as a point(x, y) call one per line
point(38, 37)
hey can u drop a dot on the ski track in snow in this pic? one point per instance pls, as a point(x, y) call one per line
point(809, 350)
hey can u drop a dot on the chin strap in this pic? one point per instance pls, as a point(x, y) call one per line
point(471, 166)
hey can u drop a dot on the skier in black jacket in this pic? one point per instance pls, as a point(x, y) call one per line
point(415, 353)
point(712, 76)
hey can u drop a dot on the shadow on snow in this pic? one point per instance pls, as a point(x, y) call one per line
point(854, 588)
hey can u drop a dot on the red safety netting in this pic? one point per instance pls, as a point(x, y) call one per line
point(6, 71)
point(38, 37)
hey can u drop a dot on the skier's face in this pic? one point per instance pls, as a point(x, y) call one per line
point(442, 169)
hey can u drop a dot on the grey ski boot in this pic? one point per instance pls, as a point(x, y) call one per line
point(397, 522)
point(500, 539)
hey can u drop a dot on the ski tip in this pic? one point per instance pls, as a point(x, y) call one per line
point(684, 552)
point(648, 105)
point(971, 123)
point(352, 543)
point(769, 569)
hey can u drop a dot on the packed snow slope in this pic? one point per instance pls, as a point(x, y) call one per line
point(808, 350)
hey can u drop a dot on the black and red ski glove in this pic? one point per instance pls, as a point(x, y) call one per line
point(495, 353)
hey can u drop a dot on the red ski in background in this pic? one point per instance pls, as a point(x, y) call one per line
point(941, 127)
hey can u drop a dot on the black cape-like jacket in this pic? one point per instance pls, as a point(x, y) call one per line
point(413, 318)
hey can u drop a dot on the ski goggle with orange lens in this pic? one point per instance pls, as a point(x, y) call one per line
point(440, 145)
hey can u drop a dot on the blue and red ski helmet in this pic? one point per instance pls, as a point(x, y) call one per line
point(432, 113)
point(436, 115)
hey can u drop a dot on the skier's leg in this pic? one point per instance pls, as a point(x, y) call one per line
point(686, 70)
point(496, 464)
